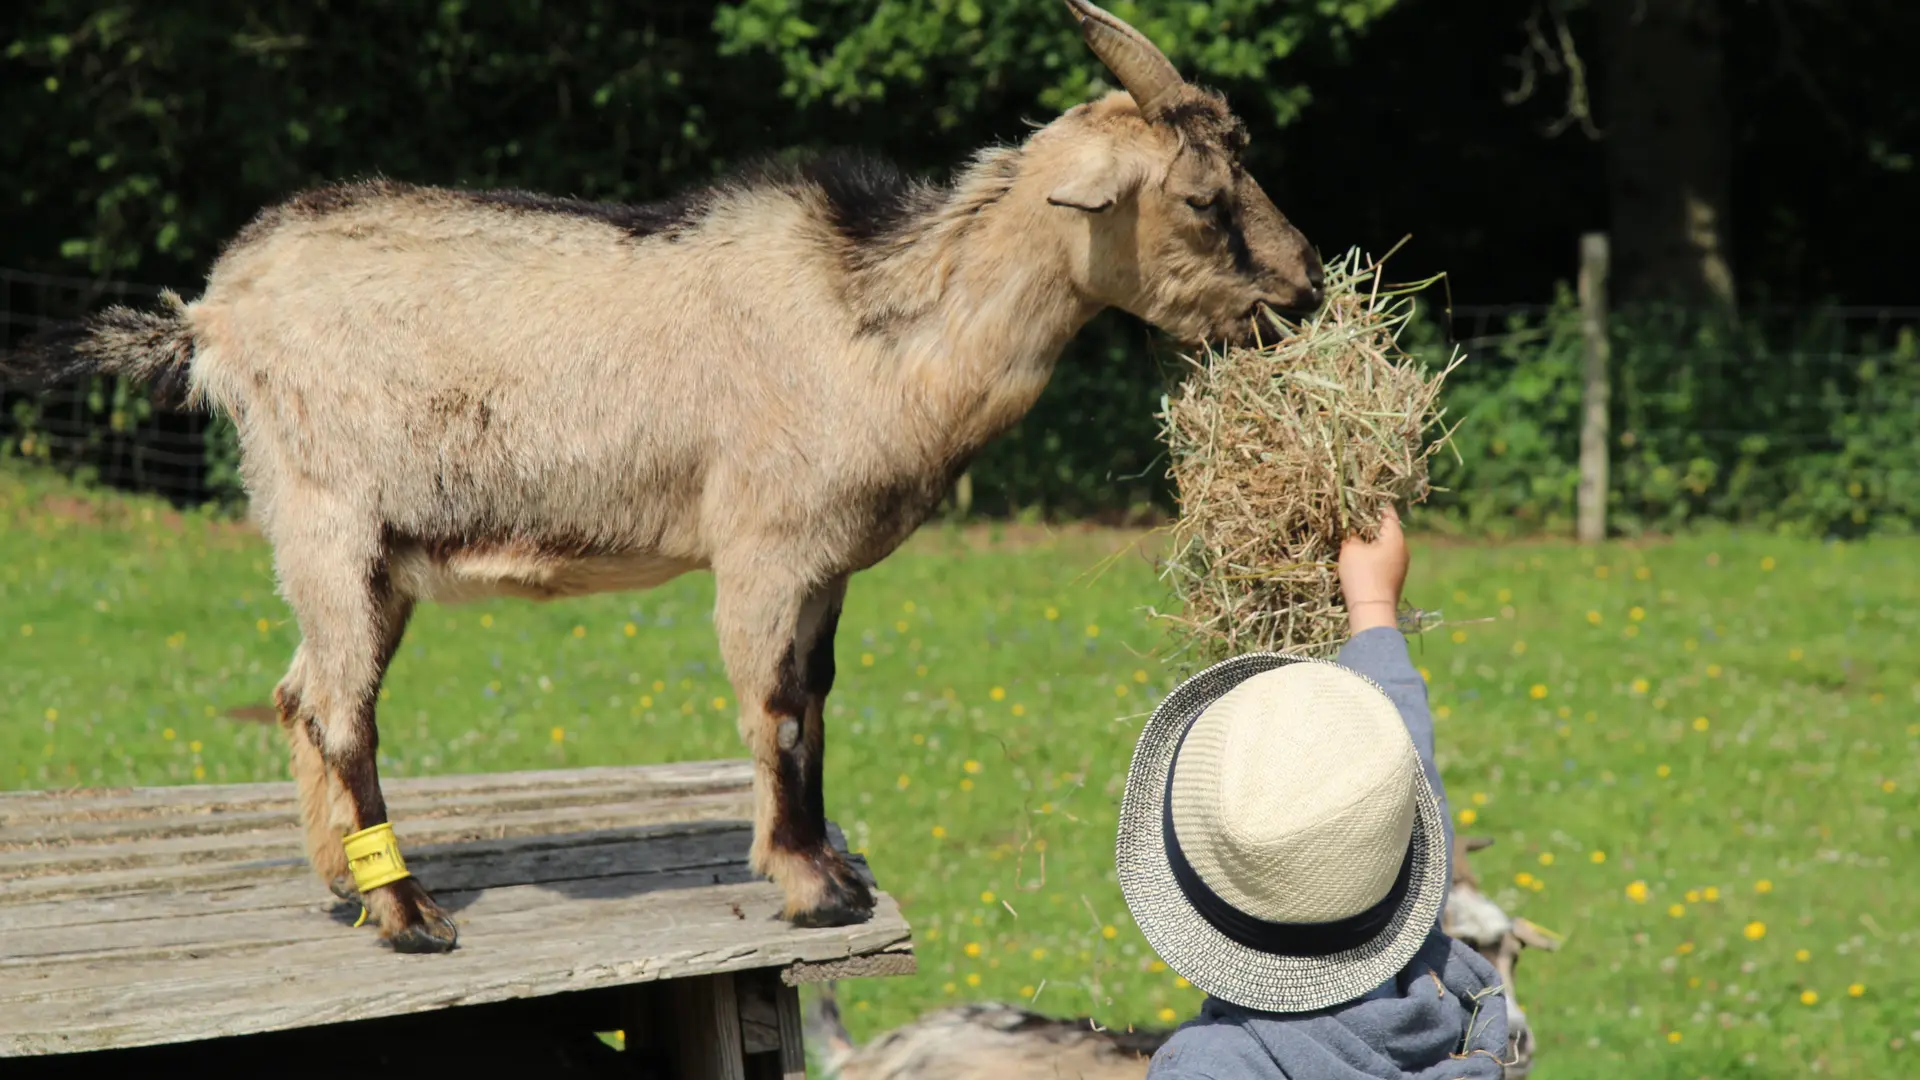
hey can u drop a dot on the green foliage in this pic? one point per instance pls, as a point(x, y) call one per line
point(1802, 426)
point(855, 54)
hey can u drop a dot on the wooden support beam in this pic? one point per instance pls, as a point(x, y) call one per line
point(705, 1014)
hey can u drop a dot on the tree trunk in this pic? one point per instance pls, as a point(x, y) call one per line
point(1668, 154)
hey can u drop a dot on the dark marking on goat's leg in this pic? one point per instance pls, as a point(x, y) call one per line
point(764, 633)
point(312, 781)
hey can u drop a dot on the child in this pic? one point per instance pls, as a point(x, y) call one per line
point(1284, 845)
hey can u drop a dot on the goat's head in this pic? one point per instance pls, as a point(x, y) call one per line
point(1163, 220)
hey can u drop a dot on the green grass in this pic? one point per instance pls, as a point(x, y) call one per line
point(1728, 720)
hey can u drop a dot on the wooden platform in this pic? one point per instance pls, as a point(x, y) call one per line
point(143, 916)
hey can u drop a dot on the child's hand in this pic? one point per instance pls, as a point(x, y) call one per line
point(1372, 574)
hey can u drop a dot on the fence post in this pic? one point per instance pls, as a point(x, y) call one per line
point(1595, 390)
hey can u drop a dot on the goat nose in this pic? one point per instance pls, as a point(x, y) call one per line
point(1317, 277)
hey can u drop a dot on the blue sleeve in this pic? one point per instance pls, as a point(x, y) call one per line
point(1203, 1050)
point(1381, 655)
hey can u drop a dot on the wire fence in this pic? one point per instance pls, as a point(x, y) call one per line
point(1674, 391)
point(103, 429)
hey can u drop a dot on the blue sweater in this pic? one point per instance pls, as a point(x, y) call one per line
point(1405, 1029)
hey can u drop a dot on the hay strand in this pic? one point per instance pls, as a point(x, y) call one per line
point(1278, 451)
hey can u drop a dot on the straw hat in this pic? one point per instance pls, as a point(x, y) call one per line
point(1279, 843)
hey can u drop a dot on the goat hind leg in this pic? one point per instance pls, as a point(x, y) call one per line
point(351, 621)
point(778, 645)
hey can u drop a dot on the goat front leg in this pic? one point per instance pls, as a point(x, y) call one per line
point(777, 639)
point(351, 621)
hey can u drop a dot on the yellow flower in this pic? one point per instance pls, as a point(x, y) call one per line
point(579, 631)
point(866, 659)
point(900, 626)
point(1546, 858)
point(1479, 798)
point(26, 630)
point(1093, 630)
point(1597, 857)
point(486, 620)
point(998, 693)
point(1038, 954)
point(1763, 886)
point(987, 897)
point(1139, 676)
point(1888, 786)
point(921, 671)
point(1053, 613)
point(1809, 997)
point(1637, 892)
point(1503, 596)
point(1167, 1016)
point(973, 948)
point(1468, 816)
point(1109, 932)
point(199, 773)
point(1802, 955)
point(903, 781)
point(1768, 564)
point(939, 832)
point(719, 703)
point(1538, 691)
point(167, 734)
point(1639, 686)
point(1677, 910)
point(1701, 723)
point(1642, 573)
point(1425, 676)
point(1713, 671)
point(1856, 990)
point(1026, 991)
point(1120, 690)
point(1180, 982)
point(1636, 613)
point(52, 715)
point(1795, 653)
point(1693, 896)
point(263, 626)
point(1601, 572)
point(1019, 710)
point(1756, 930)
point(1684, 948)
point(558, 734)
point(194, 746)
point(973, 978)
point(907, 607)
point(966, 784)
point(949, 988)
point(1443, 712)
point(1593, 617)
point(1712, 894)
point(1673, 1036)
point(1663, 771)
point(659, 685)
point(1519, 648)
point(1459, 637)
point(1523, 879)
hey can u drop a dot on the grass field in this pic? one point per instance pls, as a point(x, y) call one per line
point(1699, 758)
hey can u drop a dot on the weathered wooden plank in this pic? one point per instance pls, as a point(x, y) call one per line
point(644, 781)
point(706, 1015)
point(656, 936)
point(793, 1046)
point(163, 915)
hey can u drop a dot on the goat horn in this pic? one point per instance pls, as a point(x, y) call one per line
point(1138, 63)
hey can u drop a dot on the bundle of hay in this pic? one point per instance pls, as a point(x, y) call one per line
point(1279, 451)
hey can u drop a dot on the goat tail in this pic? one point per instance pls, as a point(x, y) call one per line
point(151, 347)
point(823, 1028)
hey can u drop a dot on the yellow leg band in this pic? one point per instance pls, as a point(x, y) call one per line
point(374, 857)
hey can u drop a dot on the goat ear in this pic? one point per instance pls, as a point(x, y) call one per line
point(1095, 182)
point(1089, 191)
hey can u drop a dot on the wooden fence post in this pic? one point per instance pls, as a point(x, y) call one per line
point(1595, 389)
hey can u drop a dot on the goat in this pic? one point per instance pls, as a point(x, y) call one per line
point(983, 1040)
point(445, 394)
point(1472, 917)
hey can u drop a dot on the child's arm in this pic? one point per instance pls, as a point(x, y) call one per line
point(1371, 576)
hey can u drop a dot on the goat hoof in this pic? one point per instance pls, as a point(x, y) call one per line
point(343, 887)
point(434, 934)
point(844, 901)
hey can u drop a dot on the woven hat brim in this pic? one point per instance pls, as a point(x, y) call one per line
point(1207, 958)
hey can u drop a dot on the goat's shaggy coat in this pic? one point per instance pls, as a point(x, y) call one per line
point(445, 395)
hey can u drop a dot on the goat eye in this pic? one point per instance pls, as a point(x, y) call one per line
point(1201, 202)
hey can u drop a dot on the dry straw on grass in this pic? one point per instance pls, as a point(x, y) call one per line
point(1281, 450)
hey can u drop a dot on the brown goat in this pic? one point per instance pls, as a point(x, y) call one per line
point(445, 395)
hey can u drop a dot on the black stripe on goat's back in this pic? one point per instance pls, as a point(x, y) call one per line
point(867, 198)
